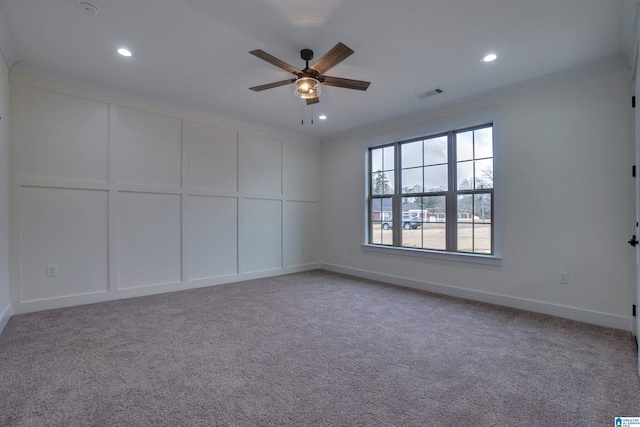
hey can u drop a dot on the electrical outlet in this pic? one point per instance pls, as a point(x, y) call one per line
point(52, 270)
point(563, 277)
point(350, 251)
point(302, 250)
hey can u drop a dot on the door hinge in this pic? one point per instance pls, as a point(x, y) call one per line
point(633, 102)
point(634, 310)
point(633, 171)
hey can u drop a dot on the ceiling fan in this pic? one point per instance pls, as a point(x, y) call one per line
point(308, 81)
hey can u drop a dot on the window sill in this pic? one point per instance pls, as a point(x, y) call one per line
point(422, 253)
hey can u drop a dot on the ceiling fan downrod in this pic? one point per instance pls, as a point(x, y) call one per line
point(306, 55)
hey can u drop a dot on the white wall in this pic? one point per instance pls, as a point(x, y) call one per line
point(128, 199)
point(567, 206)
point(5, 306)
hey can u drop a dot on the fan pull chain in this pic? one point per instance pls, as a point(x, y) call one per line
point(302, 114)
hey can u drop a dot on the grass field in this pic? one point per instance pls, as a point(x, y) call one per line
point(433, 236)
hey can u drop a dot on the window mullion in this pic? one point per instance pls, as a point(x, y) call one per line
point(369, 219)
point(451, 206)
point(492, 222)
point(396, 201)
point(369, 197)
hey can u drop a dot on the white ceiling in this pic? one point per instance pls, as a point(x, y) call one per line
point(193, 54)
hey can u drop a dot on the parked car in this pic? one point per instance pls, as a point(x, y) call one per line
point(407, 223)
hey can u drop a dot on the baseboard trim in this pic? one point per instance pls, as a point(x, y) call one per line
point(581, 315)
point(140, 291)
point(4, 317)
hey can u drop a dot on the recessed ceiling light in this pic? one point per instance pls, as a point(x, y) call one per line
point(124, 52)
point(490, 57)
point(322, 117)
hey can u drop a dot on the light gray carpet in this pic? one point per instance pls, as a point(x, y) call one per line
point(311, 349)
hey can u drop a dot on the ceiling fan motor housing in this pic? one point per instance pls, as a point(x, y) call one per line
point(306, 55)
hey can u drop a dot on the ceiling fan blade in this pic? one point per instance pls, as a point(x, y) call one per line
point(275, 61)
point(345, 83)
point(336, 55)
point(312, 101)
point(272, 85)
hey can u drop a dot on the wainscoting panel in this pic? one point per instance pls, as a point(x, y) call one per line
point(148, 148)
point(300, 233)
point(260, 235)
point(260, 163)
point(51, 149)
point(213, 242)
point(67, 229)
point(300, 171)
point(213, 157)
point(149, 239)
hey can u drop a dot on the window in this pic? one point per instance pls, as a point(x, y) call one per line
point(434, 193)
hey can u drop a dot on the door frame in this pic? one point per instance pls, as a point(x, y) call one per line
point(635, 89)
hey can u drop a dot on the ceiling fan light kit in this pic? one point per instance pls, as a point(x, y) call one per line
point(309, 80)
point(307, 88)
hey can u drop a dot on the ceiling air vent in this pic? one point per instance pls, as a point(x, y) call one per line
point(430, 93)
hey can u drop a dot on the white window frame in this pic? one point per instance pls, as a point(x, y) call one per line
point(442, 126)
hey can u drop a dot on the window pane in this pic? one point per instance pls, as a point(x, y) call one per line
point(434, 208)
point(388, 159)
point(374, 212)
point(411, 154)
point(412, 180)
point(376, 160)
point(391, 182)
point(482, 223)
point(387, 224)
point(474, 223)
point(376, 233)
point(482, 208)
point(484, 173)
point(387, 237)
point(374, 221)
point(380, 218)
point(464, 145)
point(412, 207)
point(434, 227)
point(381, 210)
point(376, 183)
point(465, 176)
point(465, 223)
point(412, 222)
point(435, 151)
point(483, 141)
point(435, 178)
point(382, 166)
point(380, 183)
